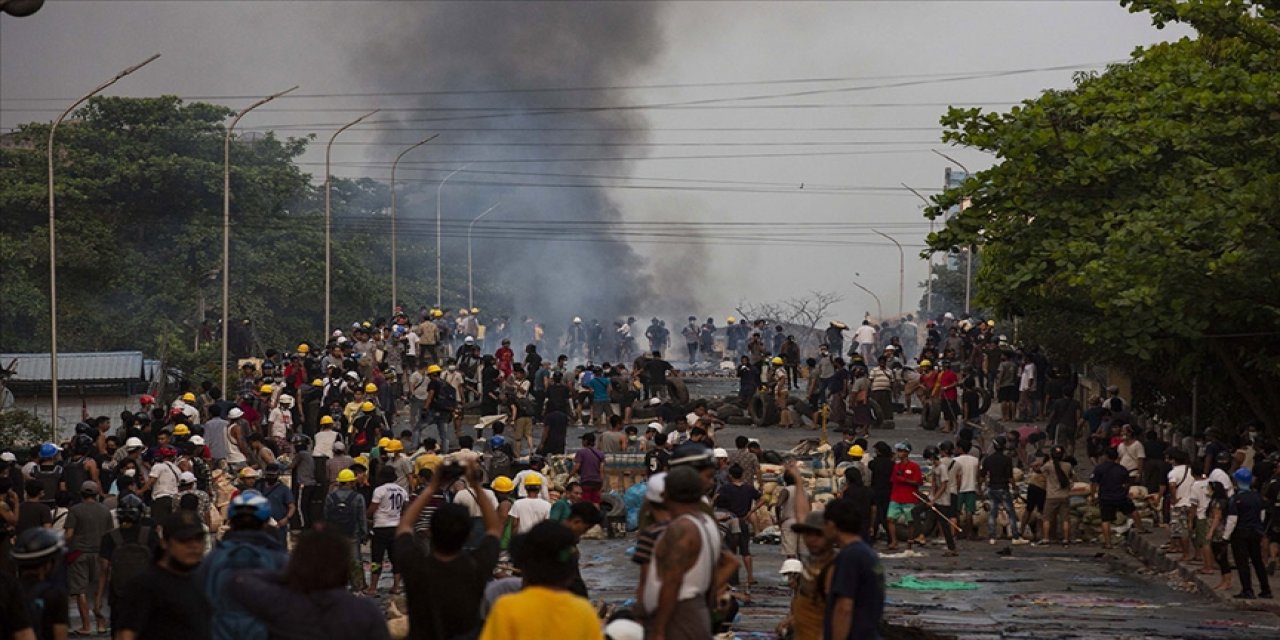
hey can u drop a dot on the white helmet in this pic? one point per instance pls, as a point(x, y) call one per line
point(577, 320)
point(134, 443)
point(656, 426)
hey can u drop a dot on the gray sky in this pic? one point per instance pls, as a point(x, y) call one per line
point(243, 48)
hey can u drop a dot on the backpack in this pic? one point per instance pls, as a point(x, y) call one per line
point(128, 560)
point(340, 511)
point(446, 398)
point(35, 602)
point(49, 480)
point(230, 622)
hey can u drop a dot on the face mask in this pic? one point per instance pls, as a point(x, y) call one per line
point(129, 473)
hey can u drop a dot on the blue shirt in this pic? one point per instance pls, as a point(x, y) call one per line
point(858, 575)
point(599, 389)
point(280, 498)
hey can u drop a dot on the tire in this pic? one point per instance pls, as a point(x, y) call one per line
point(678, 392)
point(802, 407)
point(756, 410)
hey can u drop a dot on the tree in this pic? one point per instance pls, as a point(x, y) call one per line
point(1137, 208)
point(948, 289)
point(805, 312)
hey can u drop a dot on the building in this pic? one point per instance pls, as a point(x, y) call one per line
point(96, 384)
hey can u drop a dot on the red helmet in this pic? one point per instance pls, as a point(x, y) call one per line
point(146, 399)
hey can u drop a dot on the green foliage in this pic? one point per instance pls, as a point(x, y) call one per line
point(139, 228)
point(948, 288)
point(20, 429)
point(1137, 209)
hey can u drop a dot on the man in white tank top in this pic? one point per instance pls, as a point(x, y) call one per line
point(688, 564)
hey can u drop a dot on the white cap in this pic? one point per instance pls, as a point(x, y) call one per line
point(353, 375)
point(752, 441)
point(655, 487)
point(622, 629)
point(655, 401)
point(235, 413)
point(720, 453)
point(8, 456)
point(187, 478)
point(656, 426)
point(197, 440)
point(134, 443)
point(791, 565)
point(337, 332)
point(948, 316)
point(286, 400)
point(469, 340)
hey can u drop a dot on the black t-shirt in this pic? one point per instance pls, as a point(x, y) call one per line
point(1063, 412)
point(13, 611)
point(444, 399)
point(1247, 507)
point(1113, 482)
point(128, 535)
point(657, 371)
point(444, 595)
point(53, 610)
point(999, 470)
point(737, 498)
point(857, 575)
point(861, 498)
point(558, 398)
point(167, 605)
point(32, 515)
point(656, 461)
point(881, 468)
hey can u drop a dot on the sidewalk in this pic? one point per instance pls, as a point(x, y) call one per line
point(1146, 547)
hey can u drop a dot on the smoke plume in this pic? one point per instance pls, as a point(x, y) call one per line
point(480, 47)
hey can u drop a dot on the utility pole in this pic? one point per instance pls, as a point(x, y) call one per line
point(394, 299)
point(328, 222)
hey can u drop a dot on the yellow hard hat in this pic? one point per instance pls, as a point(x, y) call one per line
point(371, 388)
point(367, 407)
point(436, 313)
point(366, 324)
point(266, 388)
point(776, 360)
point(188, 397)
point(502, 484)
point(394, 446)
point(991, 323)
point(856, 451)
point(533, 480)
point(926, 363)
point(346, 475)
point(383, 442)
point(326, 419)
point(475, 309)
point(362, 460)
point(181, 430)
point(435, 368)
point(248, 472)
point(731, 319)
point(317, 382)
point(303, 348)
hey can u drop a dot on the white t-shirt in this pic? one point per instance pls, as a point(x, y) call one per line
point(467, 498)
point(411, 339)
point(166, 476)
point(1131, 454)
point(1182, 480)
point(390, 499)
point(964, 474)
point(865, 334)
point(280, 421)
point(324, 440)
point(529, 511)
point(1027, 381)
point(545, 494)
point(1201, 496)
point(1219, 476)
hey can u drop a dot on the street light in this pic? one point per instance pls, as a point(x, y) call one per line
point(928, 280)
point(226, 223)
point(968, 251)
point(879, 311)
point(328, 219)
point(471, 302)
point(439, 271)
point(53, 242)
point(394, 299)
point(902, 268)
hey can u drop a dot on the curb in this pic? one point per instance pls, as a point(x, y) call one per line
point(1146, 548)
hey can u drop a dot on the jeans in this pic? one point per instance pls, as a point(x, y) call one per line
point(1246, 545)
point(415, 415)
point(1002, 498)
point(441, 421)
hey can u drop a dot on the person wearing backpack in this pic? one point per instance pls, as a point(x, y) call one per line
point(125, 553)
point(441, 401)
point(344, 512)
point(248, 545)
point(37, 554)
point(48, 473)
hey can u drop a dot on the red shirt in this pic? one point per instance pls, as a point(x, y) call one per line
point(927, 381)
point(906, 481)
point(945, 378)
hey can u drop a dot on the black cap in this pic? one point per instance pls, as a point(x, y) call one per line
point(693, 454)
point(183, 525)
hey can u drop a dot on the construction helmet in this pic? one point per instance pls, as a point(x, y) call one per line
point(383, 442)
point(394, 446)
point(346, 475)
point(435, 368)
point(776, 361)
point(266, 388)
point(182, 430)
point(926, 363)
point(303, 348)
point(475, 310)
point(326, 419)
point(367, 407)
point(503, 484)
point(371, 388)
point(188, 397)
point(317, 382)
point(731, 319)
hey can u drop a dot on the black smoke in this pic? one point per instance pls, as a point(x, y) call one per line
point(486, 46)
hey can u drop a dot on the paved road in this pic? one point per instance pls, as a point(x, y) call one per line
point(1035, 592)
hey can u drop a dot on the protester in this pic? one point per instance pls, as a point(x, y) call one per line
point(344, 513)
point(389, 499)
point(544, 608)
point(87, 523)
point(37, 553)
point(1244, 529)
point(855, 600)
point(168, 601)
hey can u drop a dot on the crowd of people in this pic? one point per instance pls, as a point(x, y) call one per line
point(329, 477)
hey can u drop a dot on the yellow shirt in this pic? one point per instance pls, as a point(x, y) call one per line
point(539, 613)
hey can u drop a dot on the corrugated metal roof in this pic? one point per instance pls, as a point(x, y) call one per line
point(109, 365)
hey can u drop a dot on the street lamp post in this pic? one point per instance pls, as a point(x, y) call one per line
point(471, 301)
point(928, 279)
point(439, 270)
point(328, 220)
point(879, 310)
point(968, 252)
point(226, 223)
point(53, 242)
point(902, 269)
point(394, 298)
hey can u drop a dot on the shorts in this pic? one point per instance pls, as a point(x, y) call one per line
point(1035, 498)
point(591, 492)
point(1109, 509)
point(82, 575)
point(522, 429)
point(950, 408)
point(790, 539)
point(740, 540)
point(900, 512)
point(1178, 522)
point(1201, 532)
point(966, 502)
point(1007, 394)
point(1056, 510)
point(380, 545)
